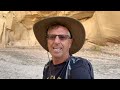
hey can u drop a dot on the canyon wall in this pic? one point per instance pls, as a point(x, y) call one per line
point(16, 26)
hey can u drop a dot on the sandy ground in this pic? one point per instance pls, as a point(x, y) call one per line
point(21, 63)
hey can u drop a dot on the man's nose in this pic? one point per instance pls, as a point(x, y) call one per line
point(57, 40)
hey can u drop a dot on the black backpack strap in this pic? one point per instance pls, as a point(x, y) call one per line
point(45, 69)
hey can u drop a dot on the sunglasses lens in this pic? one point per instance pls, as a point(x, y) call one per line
point(61, 37)
point(51, 37)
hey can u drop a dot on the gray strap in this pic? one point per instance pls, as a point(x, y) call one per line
point(68, 70)
point(72, 60)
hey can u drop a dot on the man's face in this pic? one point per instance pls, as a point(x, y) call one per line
point(59, 41)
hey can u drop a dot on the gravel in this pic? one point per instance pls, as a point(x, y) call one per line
point(28, 63)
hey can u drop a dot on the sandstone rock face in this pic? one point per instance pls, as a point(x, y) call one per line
point(16, 26)
point(103, 27)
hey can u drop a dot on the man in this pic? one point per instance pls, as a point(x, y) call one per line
point(62, 37)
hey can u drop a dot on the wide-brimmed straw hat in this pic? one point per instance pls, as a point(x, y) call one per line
point(75, 27)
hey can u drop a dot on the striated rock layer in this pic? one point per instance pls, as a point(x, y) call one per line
point(16, 26)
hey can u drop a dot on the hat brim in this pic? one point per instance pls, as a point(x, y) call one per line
point(75, 27)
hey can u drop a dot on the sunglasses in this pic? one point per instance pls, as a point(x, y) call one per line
point(61, 37)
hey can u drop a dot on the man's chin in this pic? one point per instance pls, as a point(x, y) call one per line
point(57, 55)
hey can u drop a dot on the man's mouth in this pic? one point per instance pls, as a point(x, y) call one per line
point(57, 49)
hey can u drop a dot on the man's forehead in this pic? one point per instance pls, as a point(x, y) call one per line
point(59, 29)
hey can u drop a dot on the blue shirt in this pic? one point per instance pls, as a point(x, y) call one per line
point(72, 68)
